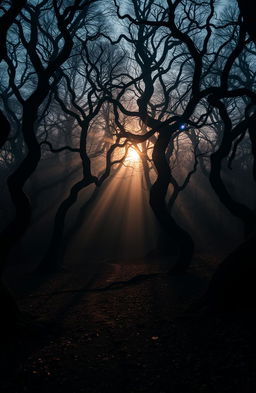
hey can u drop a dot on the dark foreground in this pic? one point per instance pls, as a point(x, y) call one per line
point(132, 338)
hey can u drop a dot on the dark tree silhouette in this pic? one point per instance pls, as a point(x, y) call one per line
point(6, 20)
point(66, 20)
point(5, 129)
point(247, 12)
point(173, 75)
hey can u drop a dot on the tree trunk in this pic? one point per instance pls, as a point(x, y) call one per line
point(4, 129)
point(52, 259)
point(176, 234)
point(237, 209)
point(232, 288)
point(248, 11)
point(16, 181)
point(16, 229)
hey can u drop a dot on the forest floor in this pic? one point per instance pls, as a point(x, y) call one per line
point(132, 337)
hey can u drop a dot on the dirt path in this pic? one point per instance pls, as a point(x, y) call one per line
point(132, 338)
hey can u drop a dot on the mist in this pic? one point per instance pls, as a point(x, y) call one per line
point(127, 156)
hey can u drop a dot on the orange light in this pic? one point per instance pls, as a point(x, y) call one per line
point(132, 155)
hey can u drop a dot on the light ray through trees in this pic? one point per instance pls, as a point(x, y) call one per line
point(120, 224)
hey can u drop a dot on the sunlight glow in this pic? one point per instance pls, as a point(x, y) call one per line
point(132, 155)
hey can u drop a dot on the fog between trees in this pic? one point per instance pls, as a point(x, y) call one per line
point(82, 83)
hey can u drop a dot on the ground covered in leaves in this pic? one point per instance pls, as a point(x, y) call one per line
point(133, 337)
